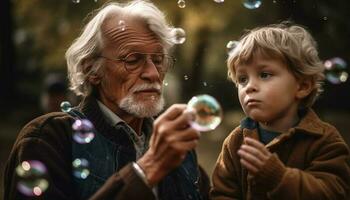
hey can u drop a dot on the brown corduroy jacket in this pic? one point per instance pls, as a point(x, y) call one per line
point(310, 161)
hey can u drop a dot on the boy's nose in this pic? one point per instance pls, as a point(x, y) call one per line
point(252, 86)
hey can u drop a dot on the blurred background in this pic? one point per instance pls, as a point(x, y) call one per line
point(36, 33)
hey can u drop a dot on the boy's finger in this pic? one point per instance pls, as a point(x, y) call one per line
point(252, 159)
point(256, 144)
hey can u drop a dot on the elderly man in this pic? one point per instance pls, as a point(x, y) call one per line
point(117, 64)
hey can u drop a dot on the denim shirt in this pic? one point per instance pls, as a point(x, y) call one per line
point(107, 157)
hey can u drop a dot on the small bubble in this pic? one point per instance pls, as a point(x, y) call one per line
point(165, 83)
point(231, 45)
point(66, 106)
point(219, 1)
point(81, 168)
point(252, 4)
point(205, 84)
point(32, 178)
point(208, 112)
point(76, 1)
point(336, 70)
point(186, 77)
point(83, 131)
point(178, 35)
point(181, 3)
point(274, 1)
point(325, 18)
point(121, 25)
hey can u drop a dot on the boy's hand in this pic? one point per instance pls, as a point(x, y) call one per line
point(253, 155)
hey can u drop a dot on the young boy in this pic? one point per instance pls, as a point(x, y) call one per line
point(282, 150)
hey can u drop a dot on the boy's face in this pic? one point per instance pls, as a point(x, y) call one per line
point(268, 91)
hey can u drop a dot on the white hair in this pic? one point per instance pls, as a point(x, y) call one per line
point(88, 45)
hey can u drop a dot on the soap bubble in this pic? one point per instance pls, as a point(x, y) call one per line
point(219, 1)
point(208, 112)
point(81, 168)
point(121, 25)
point(178, 35)
point(83, 131)
point(181, 3)
point(336, 70)
point(252, 4)
point(76, 1)
point(32, 175)
point(66, 106)
point(231, 45)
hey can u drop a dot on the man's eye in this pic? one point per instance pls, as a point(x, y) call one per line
point(157, 59)
point(133, 58)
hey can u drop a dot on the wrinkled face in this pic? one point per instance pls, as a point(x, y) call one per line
point(137, 93)
point(267, 90)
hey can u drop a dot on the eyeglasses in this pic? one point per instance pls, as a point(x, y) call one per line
point(134, 62)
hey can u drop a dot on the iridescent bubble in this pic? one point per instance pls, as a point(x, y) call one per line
point(81, 168)
point(208, 112)
point(178, 35)
point(181, 3)
point(231, 45)
point(252, 4)
point(83, 131)
point(121, 25)
point(76, 1)
point(219, 1)
point(66, 106)
point(336, 70)
point(32, 175)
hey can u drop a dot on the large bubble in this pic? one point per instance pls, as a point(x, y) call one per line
point(208, 112)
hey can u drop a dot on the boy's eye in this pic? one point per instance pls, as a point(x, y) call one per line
point(242, 79)
point(265, 75)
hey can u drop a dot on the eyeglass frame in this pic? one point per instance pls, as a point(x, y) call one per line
point(135, 70)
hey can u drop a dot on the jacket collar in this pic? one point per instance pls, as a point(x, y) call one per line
point(309, 124)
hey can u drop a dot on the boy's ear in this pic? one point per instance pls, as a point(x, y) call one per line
point(305, 88)
point(93, 78)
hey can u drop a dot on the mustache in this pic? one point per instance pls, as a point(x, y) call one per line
point(147, 86)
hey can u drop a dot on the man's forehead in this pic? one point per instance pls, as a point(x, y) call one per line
point(128, 32)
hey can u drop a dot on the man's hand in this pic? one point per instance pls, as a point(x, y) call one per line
point(171, 139)
point(253, 155)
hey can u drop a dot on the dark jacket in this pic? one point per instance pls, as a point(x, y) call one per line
point(49, 140)
point(310, 161)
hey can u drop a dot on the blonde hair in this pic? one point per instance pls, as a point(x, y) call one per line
point(291, 44)
point(90, 43)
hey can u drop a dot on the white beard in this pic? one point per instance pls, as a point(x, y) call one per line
point(140, 109)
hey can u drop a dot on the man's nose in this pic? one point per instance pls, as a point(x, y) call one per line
point(150, 71)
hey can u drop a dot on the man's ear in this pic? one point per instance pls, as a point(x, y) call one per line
point(93, 77)
point(305, 88)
